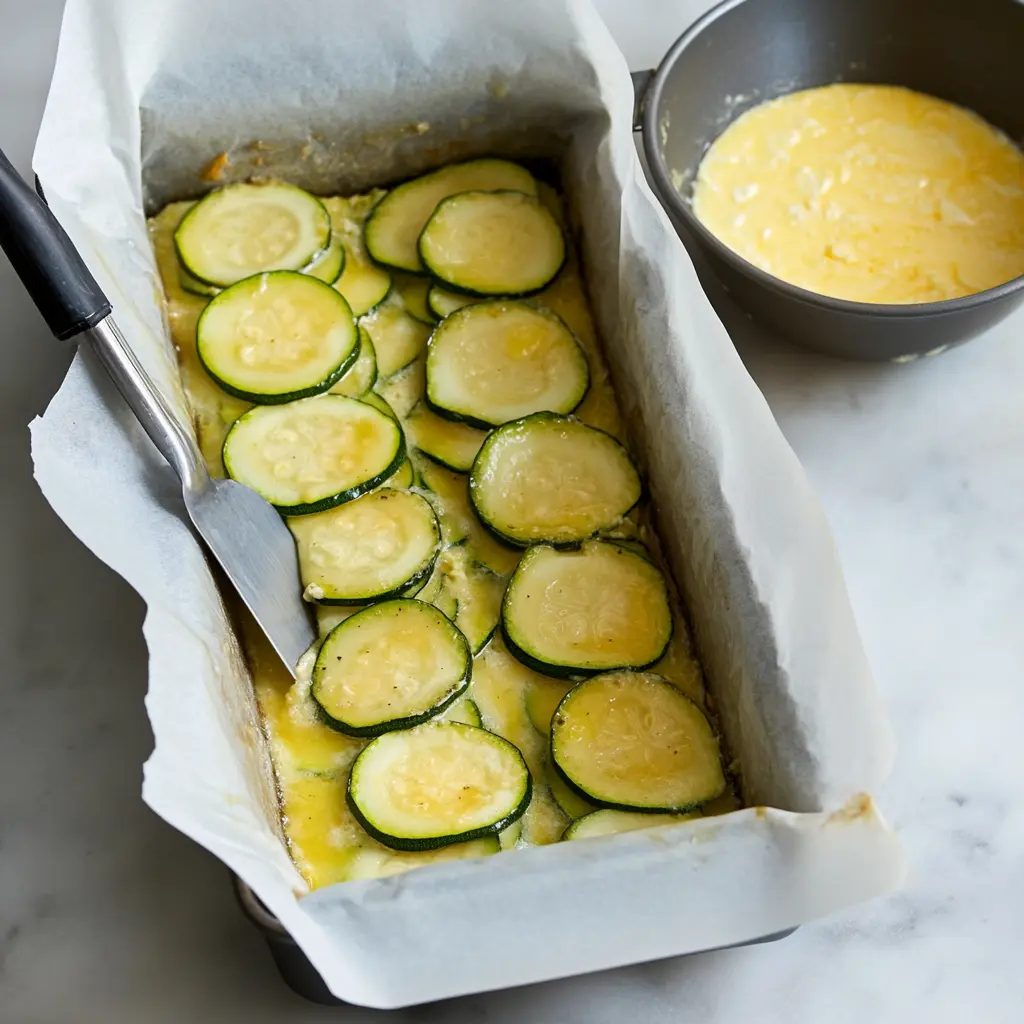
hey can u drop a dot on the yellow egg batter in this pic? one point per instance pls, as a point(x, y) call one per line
point(867, 192)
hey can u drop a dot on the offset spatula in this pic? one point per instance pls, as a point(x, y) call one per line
point(245, 533)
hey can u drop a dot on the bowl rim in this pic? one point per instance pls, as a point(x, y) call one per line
point(677, 204)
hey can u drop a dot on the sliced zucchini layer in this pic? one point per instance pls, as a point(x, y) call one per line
point(443, 303)
point(568, 798)
point(328, 265)
point(438, 784)
point(394, 226)
point(498, 361)
point(585, 611)
point(194, 285)
point(311, 455)
point(493, 243)
point(244, 229)
point(607, 822)
point(277, 337)
point(552, 479)
point(378, 863)
point(403, 477)
point(360, 377)
point(454, 445)
point(470, 595)
point(366, 550)
point(364, 286)
point(412, 292)
point(542, 698)
point(388, 667)
point(397, 337)
point(464, 711)
point(403, 390)
point(631, 740)
point(449, 494)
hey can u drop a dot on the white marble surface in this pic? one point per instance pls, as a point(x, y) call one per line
point(108, 915)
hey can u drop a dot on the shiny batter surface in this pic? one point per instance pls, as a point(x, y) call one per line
point(867, 192)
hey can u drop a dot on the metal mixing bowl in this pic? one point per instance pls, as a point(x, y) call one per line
point(744, 52)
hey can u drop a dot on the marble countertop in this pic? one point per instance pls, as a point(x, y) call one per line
point(107, 914)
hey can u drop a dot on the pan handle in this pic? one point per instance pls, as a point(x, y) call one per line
point(641, 83)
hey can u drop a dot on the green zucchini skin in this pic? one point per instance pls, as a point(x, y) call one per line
point(194, 286)
point(610, 806)
point(410, 588)
point(351, 494)
point(366, 354)
point(292, 396)
point(441, 305)
point(329, 265)
point(424, 437)
point(416, 845)
point(527, 659)
point(568, 672)
point(372, 731)
point(581, 826)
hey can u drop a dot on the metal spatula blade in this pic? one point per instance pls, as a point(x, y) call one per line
point(244, 533)
point(253, 546)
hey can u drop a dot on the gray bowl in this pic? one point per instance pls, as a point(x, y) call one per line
point(744, 52)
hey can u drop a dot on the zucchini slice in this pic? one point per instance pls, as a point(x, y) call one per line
point(277, 337)
point(388, 667)
point(567, 797)
point(438, 784)
point(493, 243)
point(397, 337)
point(394, 226)
point(464, 711)
point(443, 303)
point(366, 550)
point(585, 611)
point(551, 479)
point(378, 863)
point(194, 285)
point(403, 477)
point(498, 361)
point(245, 229)
point(412, 293)
point(632, 741)
point(449, 494)
point(328, 265)
point(360, 377)
point(454, 445)
point(403, 390)
point(508, 839)
point(471, 596)
point(542, 697)
point(607, 822)
point(364, 286)
point(378, 402)
point(311, 455)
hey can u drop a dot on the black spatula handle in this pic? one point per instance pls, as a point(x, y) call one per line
point(43, 257)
